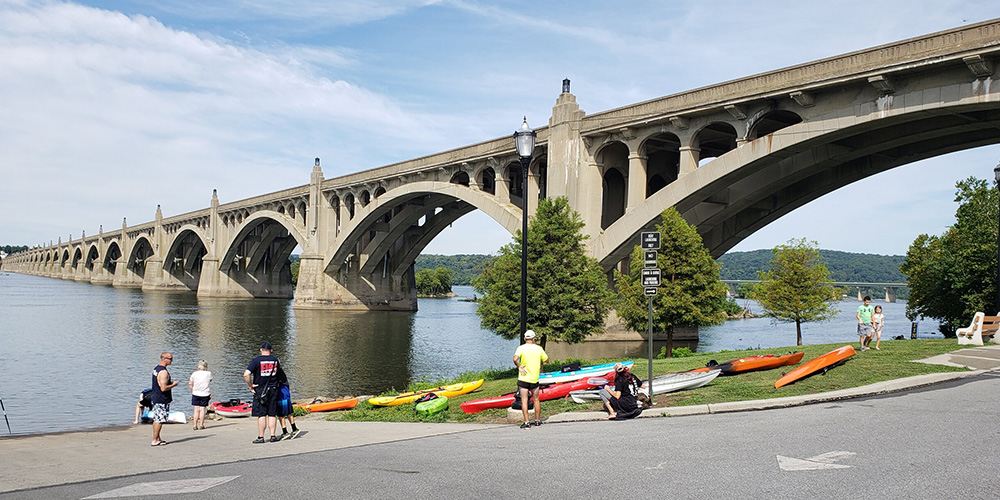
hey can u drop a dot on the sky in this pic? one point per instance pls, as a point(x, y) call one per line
point(111, 108)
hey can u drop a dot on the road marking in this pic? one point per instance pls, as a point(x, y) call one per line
point(164, 487)
point(819, 462)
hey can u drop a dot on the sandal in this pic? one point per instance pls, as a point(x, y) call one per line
point(159, 443)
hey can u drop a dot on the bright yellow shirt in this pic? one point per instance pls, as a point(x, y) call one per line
point(529, 360)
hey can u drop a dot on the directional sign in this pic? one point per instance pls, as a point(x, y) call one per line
point(649, 258)
point(650, 241)
point(651, 277)
point(650, 291)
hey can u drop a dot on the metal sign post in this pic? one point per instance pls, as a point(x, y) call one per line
point(650, 243)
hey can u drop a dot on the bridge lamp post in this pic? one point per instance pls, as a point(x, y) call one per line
point(996, 173)
point(524, 142)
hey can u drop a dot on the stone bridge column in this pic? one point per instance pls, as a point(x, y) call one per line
point(690, 155)
point(636, 180)
point(890, 294)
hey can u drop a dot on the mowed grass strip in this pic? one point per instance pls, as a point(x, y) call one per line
point(893, 361)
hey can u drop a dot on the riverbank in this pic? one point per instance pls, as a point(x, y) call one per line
point(895, 360)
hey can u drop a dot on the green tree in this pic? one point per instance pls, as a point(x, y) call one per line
point(690, 292)
point(953, 276)
point(568, 294)
point(797, 287)
point(432, 282)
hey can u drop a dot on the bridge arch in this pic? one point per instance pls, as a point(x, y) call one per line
point(612, 160)
point(111, 257)
point(714, 139)
point(273, 236)
point(744, 190)
point(142, 250)
point(185, 255)
point(661, 151)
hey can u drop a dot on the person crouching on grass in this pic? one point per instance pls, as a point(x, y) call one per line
point(529, 358)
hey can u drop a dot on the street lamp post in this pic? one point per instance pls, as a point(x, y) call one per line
point(996, 173)
point(524, 142)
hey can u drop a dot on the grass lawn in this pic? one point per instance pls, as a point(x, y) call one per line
point(893, 361)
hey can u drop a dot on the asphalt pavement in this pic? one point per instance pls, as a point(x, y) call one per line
point(83, 464)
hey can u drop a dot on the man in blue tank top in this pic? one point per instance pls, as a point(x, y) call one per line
point(161, 396)
point(261, 376)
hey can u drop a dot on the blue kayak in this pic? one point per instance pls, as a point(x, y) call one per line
point(587, 371)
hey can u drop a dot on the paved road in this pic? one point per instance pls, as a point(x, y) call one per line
point(931, 443)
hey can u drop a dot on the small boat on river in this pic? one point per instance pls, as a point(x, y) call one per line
point(824, 362)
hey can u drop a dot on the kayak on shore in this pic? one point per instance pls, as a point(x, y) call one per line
point(549, 392)
point(670, 382)
point(445, 390)
point(751, 363)
point(824, 362)
point(587, 371)
point(231, 408)
point(336, 404)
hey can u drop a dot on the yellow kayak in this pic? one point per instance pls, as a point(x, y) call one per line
point(444, 390)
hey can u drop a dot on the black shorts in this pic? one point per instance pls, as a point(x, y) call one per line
point(200, 400)
point(527, 385)
point(266, 406)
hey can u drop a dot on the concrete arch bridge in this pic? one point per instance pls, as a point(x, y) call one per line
point(731, 157)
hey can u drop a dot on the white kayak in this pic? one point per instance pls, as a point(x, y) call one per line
point(587, 371)
point(663, 384)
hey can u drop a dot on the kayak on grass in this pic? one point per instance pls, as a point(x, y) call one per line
point(670, 382)
point(409, 397)
point(336, 404)
point(549, 392)
point(587, 371)
point(751, 363)
point(231, 408)
point(824, 362)
point(432, 406)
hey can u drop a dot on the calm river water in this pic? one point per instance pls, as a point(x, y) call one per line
point(75, 355)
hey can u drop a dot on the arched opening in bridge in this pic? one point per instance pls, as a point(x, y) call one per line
point(183, 262)
point(111, 257)
point(77, 256)
point(488, 180)
point(258, 259)
point(541, 172)
point(613, 161)
point(514, 181)
point(140, 253)
point(365, 198)
point(716, 139)
point(461, 178)
point(92, 256)
point(773, 122)
point(663, 158)
point(349, 205)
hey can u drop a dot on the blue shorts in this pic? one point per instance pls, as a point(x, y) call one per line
point(200, 400)
point(159, 412)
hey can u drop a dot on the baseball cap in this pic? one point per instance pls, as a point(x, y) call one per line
point(530, 334)
point(266, 346)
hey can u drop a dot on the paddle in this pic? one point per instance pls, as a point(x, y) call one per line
point(5, 416)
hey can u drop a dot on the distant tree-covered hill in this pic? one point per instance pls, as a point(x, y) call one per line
point(465, 267)
point(843, 266)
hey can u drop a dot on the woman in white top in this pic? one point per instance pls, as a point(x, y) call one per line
point(200, 393)
point(878, 321)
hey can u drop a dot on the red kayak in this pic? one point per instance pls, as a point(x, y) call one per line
point(823, 362)
point(231, 408)
point(554, 391)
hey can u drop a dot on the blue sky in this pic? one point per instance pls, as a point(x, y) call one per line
point(108, 109)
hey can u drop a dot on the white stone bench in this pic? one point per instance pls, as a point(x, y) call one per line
point(982, 326)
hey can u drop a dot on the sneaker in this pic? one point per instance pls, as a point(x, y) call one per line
point(285, 435)
point(525, 425)
point(536, 423)
point(275, 439)
point(259, 440)
point(295, 434)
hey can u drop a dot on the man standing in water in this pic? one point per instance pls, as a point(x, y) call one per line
point(529, 358)
point(264, 370)
point(161, 397)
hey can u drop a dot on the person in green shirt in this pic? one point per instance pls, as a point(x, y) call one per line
point(865, 325)
point(529, 358)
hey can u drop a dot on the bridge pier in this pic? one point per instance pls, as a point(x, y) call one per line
point(237, 283)
point(890, 294)
point(349, 290)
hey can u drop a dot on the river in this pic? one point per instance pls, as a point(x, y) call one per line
point(75, 355)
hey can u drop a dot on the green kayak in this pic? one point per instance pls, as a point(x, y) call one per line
point(432, 407)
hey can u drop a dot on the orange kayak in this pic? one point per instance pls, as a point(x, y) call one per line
point(750, 363)
point(337, 404)
point(827, 360)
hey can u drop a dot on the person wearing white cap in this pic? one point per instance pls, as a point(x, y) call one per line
point(529, 358)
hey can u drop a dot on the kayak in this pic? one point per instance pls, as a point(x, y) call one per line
point(587, 371)
point(337, 404)
point(173, 417)
point(670, 382)
point(444, 390)
point(231, 408)
point(824, 362)
point(554, 391)
point(751, 363)
point(432, 407)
